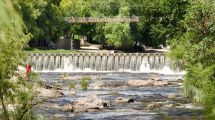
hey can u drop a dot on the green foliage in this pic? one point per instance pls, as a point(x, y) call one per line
point(41, 84)
point(16, 94)
point(194, 50)
point(86, 78)
point(72, 85)
point(113, 35)
point(43, 19)
point(118, 36)
point(77, 8)
point(85, 82)
point(166, 117)
point(160, 20)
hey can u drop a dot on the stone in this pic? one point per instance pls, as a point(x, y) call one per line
point(153, 106)
point(123, 100)
point(160, 82)
point(89, 103)
point(62, 77)
point(69, 92)
point(192, 106)
point(54, 106)
point(76, 77)
point(172, 96)
point(109, 85)
point(96, 85)
point(140, 82)
point(57, 87)
point(43, 92)
point(65, 77)
point(156, 79)
point(180, 84)
point(168, 106)
point(67, 107)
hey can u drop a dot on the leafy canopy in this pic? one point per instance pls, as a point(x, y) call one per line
point(14, 91)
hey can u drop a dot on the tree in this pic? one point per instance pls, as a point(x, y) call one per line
point(194, 49)
point(118, 35)
point(77, 8)
point(14, 91)
point(113, 35)
point(160, 20)
point(43, 20)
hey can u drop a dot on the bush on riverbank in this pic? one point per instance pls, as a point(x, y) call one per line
point(194, 50)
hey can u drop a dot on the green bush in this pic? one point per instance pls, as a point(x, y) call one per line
point(87, 78)
point(85, 82)
point(194, 50)
point(72, 85)
point(15, 90)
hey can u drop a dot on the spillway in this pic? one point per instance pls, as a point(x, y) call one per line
point(103, 62)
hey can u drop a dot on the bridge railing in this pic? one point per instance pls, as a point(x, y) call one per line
point(101, 19)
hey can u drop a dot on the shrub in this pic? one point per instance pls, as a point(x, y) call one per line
point(72, 85)
point(194, 50)
point(85, 82)
point(15, 90)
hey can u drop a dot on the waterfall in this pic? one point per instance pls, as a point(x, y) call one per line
point(96, 62)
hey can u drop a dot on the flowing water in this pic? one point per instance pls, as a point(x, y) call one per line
point(110, 74)
point(104, 62)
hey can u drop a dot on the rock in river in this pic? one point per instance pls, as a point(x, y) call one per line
point(89, 103)
point(147, 82)
point(123, 100)
point(44, 92)
point(140, 82)
point(160, 82)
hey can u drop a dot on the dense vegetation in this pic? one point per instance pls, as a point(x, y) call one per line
point(16, 94)
point(194, 48)
point(188, 26)
point(159, 21)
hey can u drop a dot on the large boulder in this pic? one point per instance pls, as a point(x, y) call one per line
point(44, 92)
point(89, 103)
point(109, 84)
point(160, 82)
point(140, 82)
point(153, 82)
